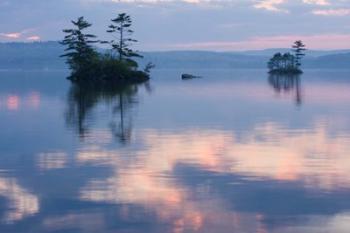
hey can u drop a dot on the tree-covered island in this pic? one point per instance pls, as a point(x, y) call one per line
point(116, 66)
point(288, 63)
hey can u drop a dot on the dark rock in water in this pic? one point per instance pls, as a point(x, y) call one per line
point(189, 76)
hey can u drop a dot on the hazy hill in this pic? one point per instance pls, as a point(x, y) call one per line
point(45, 55)
point(38, 55)
point(202, 59)
point(341, 60)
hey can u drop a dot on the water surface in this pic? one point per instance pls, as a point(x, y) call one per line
point(236, 151)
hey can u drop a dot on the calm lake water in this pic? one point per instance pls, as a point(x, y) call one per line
point(236, 151)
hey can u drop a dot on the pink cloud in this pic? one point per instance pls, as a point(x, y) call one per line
point(337, 12)
point(14, 35)
point(317, 2)
point(24, 34)
point(33, 38)
point(270, 5)
point(326, 41)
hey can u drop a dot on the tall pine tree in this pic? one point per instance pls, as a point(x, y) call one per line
point(79, 51)
point(121, 31)
point(299, 50)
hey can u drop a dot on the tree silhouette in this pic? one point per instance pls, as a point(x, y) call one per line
point(299, 49)
point(288, 63)
point(282, 63)
point(91, 68)
point(120, 28)
point(287, 84)
point(79, 51)
point(81, 103)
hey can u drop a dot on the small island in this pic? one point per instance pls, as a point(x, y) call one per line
point(114, 67)
point(288, 63)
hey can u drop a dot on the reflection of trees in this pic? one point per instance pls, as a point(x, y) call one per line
point(287, 84)
point(82, 101)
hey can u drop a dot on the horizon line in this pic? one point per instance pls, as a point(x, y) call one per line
point(185, 50)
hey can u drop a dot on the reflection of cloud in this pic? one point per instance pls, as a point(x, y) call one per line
point(34, 99)
point(53, 160)
point(13, 102)
point(318, 94)
point(145, 182)
point(339, 223)
point(268, 152)
point(311, 157)
point(100, 137)
point(86, 222)
point(21, 202)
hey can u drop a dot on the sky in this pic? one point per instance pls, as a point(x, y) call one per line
point(217, 25)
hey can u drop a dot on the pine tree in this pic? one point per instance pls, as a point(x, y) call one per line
point(298, 49)
point(79, 51)
point(90, 67)
point(120, 28)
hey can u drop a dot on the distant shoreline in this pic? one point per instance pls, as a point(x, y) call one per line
point(45, 55)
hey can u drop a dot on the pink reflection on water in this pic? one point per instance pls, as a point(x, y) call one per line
point(13, 102)
point(34, 100)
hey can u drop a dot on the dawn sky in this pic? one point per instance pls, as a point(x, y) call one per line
point(188, 24)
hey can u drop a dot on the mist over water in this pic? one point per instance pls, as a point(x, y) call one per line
point(235, 151)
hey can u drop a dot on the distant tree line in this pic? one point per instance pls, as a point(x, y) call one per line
point(117, 66)
point(288, 63)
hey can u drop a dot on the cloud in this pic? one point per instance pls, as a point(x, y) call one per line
point(159, 24)
point(270, 5)
point(325, 41)
point(172, 4)
point(13, 35)
point(21, 35)
point(168, 1)
point(317, 2)
point(332, 12)
point(33, 38)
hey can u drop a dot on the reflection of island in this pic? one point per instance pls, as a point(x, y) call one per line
point(82, 101)
point(287, 84)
